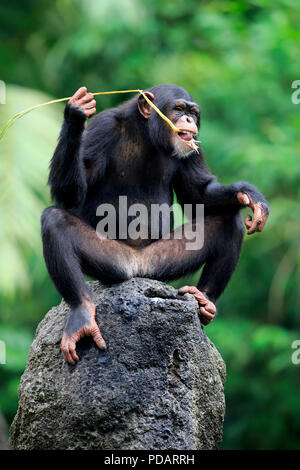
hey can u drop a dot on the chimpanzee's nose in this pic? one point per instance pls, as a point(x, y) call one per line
point(189, 119)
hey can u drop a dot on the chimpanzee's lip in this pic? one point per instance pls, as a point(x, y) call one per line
point(186, 134)
point(187, 137)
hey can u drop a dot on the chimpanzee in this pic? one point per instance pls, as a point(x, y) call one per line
point(130, 151)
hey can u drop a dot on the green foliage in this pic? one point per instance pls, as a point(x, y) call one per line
point(238, 59)
point(17, 343)
point(25, 153)
point(263, 406)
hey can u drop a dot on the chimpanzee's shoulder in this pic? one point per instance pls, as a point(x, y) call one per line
point(103, 120)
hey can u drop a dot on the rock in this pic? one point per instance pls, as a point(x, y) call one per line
point(3, 434)
point(158, 386)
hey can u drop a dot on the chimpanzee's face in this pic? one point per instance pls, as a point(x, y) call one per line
point(179, 107)
point(186, 117)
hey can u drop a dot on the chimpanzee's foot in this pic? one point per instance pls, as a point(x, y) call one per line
point(81, 322)
point(207, 309)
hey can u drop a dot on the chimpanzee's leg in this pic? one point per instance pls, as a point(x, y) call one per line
point(70, 247)
point(169, 259)
point(219, 266)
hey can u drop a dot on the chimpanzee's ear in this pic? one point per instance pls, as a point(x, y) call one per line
point(144, 106)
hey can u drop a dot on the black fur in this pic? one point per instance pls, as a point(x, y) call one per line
point(122, 153)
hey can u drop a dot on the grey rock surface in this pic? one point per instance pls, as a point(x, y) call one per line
point(3, 434)
point(158, 386)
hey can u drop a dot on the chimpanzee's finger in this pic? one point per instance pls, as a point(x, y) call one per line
point(199, 296)
point(98, 338)
point(263, 222)
point(207, 314)
point(243, 199)
point(257, 218)
point(66, 352)
point(89, 104)
point(209, 307)
point(85, 99)
point(69, 358)
point(78, 94)
point(72, 351)
point(187, 290)
point(207, 304)
point(248, 221)
point(89, 112)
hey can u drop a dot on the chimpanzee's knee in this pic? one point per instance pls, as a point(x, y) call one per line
point(52, 220)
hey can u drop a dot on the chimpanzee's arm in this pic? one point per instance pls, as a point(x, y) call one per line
point(195, 184)
point(216, 194)
point(67, 173)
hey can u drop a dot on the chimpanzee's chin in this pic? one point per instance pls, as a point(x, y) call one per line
point(180, 151)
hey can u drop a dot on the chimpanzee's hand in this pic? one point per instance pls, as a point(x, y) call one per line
point(260, 213)
point(81, 322)
point(85, 101)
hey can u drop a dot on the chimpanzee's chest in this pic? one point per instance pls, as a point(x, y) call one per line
point(150, 170)
point(135, 196)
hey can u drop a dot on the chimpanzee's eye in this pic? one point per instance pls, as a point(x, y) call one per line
point(195, 112)
point(180, 107)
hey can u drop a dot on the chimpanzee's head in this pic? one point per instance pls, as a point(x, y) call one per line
point(178, 105)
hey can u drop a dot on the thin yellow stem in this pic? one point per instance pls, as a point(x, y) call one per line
point(22, 113)
point(159, 112)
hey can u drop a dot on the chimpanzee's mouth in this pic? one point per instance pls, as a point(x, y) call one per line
point(188, 138)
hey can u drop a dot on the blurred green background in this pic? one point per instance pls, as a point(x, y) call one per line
point(238, 59)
